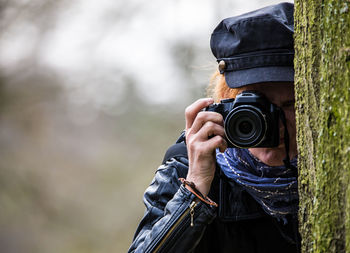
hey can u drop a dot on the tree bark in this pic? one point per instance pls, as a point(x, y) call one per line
point(322, 85)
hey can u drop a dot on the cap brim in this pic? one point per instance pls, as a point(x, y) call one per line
point(239, 78)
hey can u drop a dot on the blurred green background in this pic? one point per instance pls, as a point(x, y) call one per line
point(91, 95)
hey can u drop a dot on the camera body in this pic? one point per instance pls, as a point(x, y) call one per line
point(250, 120)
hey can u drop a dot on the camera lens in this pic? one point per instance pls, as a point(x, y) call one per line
point(245, 126)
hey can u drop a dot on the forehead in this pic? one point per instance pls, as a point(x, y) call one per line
point(276, 92)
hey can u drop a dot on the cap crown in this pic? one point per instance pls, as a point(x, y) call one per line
point(269, 28)
point(256, 47)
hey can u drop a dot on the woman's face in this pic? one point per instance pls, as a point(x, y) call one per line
point(282, 95)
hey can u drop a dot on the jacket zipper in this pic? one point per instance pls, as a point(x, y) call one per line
point(190, 211)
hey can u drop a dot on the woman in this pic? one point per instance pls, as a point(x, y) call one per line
point(231, 199)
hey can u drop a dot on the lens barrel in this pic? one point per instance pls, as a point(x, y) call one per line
point(245, 126)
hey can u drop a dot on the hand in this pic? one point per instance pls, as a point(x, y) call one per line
point(204, 133)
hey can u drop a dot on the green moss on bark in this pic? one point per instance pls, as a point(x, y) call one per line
point(322, 64)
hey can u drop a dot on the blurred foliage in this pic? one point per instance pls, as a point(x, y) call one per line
point(66, 187)
point(78, 149)
point(72, 174)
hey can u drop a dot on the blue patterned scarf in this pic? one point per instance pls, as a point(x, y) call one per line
point(273, 187)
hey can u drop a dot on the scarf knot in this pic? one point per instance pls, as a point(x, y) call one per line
point(275, 188)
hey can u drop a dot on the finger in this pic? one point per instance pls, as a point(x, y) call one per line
point(214, 135)
point(204, 117)
point(223, 147)
point(209, 130)
point(193, 109)
point(216, 142)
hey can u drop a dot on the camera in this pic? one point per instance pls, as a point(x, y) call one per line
point(250, 120)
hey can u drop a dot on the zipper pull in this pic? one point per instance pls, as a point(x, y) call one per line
point(192, 206)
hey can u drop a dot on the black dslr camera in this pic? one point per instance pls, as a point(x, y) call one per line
point(250, 120)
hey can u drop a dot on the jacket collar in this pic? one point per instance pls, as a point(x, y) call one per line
point(235, 203)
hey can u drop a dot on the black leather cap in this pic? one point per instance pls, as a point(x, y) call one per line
point(256, 47)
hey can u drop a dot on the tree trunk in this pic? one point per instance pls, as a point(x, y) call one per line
point(322, 70)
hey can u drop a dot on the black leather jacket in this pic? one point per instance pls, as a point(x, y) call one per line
point(238, 225)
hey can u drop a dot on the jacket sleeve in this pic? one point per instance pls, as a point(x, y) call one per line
point(166, 224)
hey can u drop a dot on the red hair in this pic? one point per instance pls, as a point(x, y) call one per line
point(218, 88)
